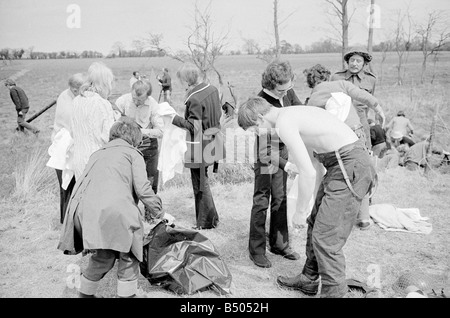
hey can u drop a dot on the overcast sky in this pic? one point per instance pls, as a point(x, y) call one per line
point(77, 25)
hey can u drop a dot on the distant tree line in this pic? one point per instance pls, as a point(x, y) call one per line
point(250, 47)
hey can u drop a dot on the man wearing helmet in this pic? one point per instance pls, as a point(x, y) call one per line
point(357, 59)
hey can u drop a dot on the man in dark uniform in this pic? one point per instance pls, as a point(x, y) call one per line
point(201, 119)
point(357, 59)
point(270, 169)
point(166, 85)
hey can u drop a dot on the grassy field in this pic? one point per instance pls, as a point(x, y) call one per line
point(31, 266)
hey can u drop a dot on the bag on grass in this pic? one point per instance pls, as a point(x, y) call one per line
point(183, 261)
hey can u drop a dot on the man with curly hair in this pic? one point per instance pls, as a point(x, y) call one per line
point(270, 169)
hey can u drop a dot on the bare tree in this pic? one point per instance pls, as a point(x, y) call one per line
point(204, 46)
point(339, 10)
point(426, 32)
point(370, 37)
point(251, 46)
point(385, 47)
point(401, 42)
point(278, 23)
point(139, 46)
point(118, 47)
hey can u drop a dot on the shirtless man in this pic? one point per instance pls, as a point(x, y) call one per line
point(315, 137)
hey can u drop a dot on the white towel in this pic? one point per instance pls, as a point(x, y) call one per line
point(390, 218)
point(173, 145)
point(339, 104)
point(58, 149)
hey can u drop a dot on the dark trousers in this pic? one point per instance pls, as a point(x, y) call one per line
point(150, 153)
point(205, 209)
point(22, 123)
point(269, 187)
point(64, 195)
point(362, 113)
point(333, 215)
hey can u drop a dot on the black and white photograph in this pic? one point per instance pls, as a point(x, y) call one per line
point(228, 156)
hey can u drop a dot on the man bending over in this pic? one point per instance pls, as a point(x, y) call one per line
point(314, 136)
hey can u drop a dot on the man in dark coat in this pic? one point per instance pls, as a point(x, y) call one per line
point(202, 121)
point(270, 173)
point(166, 85)
point(20, 99)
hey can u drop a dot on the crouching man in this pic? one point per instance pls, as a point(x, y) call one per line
point(316, 137)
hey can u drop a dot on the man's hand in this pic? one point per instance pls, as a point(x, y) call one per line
point(291, 169)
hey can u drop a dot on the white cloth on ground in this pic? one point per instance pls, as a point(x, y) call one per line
point(173, 145)
point(391, 218)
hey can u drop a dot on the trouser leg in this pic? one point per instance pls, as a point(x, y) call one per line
point(64, 194)
point(21, 122)
point(261, 194)
point(363, 214)
point(127, 275)
point(100, 263)
point(205, 209)
point(151, 163)
point(278, 233)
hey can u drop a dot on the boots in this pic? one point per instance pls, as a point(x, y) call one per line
point(301, 283)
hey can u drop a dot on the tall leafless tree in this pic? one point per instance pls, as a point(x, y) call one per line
point(427, 31)
point(371, 23)
point(277, 25)
point(339, 10)
point(401, 41)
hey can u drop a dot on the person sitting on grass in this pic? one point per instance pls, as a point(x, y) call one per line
point(103, 214)
point(314, 138)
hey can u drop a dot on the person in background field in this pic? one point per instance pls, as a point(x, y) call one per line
point(166, 85)
point(397, 139)
point(400, 124)
point(142, 107)
point(92, 117)
point(20, 100)
point(63, 118)
point(136, 77)
point(271, 172)
point(202, 114)
point(103, 214)
point(416, 155)
point(378, 138)
point(316, 137)
point(357, 59)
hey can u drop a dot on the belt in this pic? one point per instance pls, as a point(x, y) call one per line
point(344, 172)
point(337, 154)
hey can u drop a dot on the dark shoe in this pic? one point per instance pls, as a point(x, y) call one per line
point(301, 283)
point(364, 225)
point(288, 253)
point(260, 260)
point(81, 295)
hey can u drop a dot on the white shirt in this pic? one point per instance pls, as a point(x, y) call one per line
point(63, 112)
point(92, 119)
point(152, 124)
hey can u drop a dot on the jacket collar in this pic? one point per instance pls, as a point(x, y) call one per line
point(196, 89)
point(119, 143)
point(349, 74)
